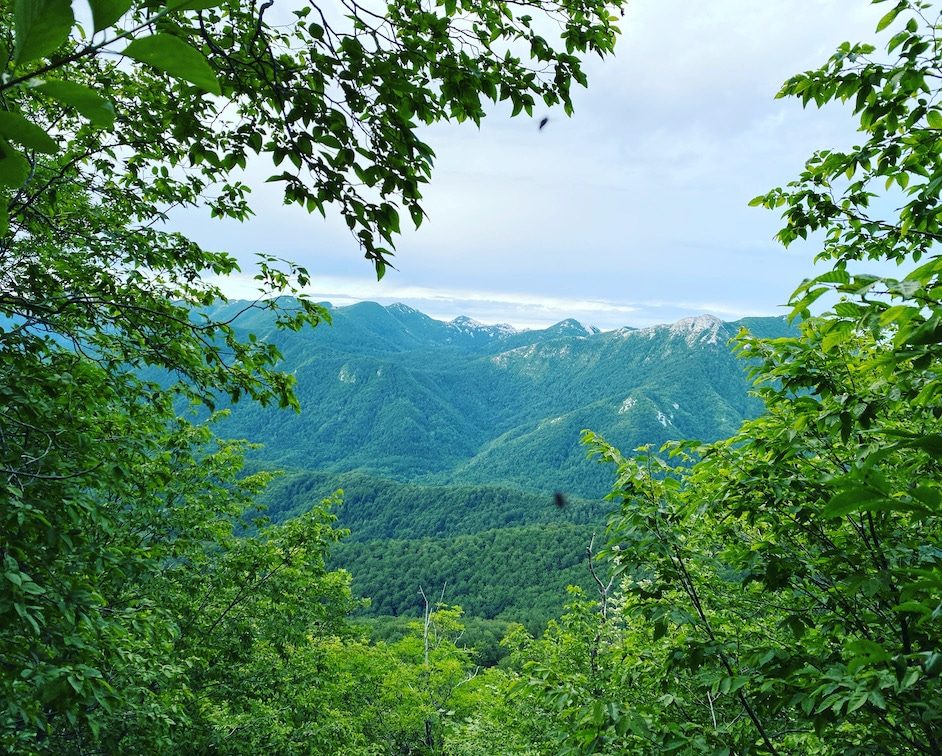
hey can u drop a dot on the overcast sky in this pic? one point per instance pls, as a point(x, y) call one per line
point(631, 212)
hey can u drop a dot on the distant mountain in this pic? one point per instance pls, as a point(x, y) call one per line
point(449, 440)
point(391, 392)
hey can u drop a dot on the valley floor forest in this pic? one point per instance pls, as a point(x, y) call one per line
point(775, 591)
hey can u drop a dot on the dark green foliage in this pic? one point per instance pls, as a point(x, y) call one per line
point(376, 508)
point(132, 618)
point(483, 636)
point(516, 574)
point(139, 621)
point(774, 592)
point(403, 536)
point(779, 591)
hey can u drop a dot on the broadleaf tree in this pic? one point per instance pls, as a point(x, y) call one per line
point(109, 121)
point(781, 590)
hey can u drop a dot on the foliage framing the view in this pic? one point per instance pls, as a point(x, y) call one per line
point(776, 592)
point(781, 591)
point(133, 617)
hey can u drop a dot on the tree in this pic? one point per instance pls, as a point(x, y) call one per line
point(109, 323)
point(434, 667)
point(780, 590)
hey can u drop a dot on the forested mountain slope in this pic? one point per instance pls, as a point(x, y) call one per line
point(517, 573)
point(392, 392)
point(498, 551)
point(450, 439)
point(377, 508)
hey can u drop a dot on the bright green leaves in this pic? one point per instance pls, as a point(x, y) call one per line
point(39, 27)
point(862, 498)
point(284, 71)
point(16, 128)
point(831, 503)
point(813, 525)
point(172, 55)
point(105, 13)
point(89, 103)
point(14, 167)
point(892, 101)
point(108, 143)
point(890, 17)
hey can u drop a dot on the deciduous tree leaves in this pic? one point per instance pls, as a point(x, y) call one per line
point(89, 103)
point(39, 27)
point(175, 57)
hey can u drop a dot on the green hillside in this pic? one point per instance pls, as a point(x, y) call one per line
point(499, 552)
point(377, 508)
point(391, 392)
point(449, 441)
point(515, 573)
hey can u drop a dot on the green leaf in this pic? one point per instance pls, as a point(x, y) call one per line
point(14, 168)
point(14, 577)
point(890, 17)
point(933, 664)
point(929, 332)
point(193, 4)
point(417, 215)
point(838, 275)
point(98, 110)
point(175, 57)
point(757, 201)
point(928, 495)
point(931, 443)
point(660, 629)
point(39, 27)
point(18, 129)
point(853, 500)
point(106, 12)
point(912, 607)
point(847, 425)
point(910, 678)
point(858, 699)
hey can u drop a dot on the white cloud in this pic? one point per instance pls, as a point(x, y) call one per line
point(520, 309)
point(641, 197)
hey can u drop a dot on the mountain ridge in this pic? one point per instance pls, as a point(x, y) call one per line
point(452, 439)
point(393, 392)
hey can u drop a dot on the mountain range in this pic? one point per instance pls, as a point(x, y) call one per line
point(452, 439)
point(391, 392)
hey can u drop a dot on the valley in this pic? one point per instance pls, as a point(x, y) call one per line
point(450, 441)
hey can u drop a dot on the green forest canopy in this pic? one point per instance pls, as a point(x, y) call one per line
point(775, 592)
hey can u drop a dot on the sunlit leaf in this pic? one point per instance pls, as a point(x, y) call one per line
point(88, 102)
point(175, 57)
point(40, 27)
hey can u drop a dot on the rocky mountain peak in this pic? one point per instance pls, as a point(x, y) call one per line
point(703, 329)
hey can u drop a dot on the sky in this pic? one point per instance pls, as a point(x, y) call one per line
point(631, 212)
